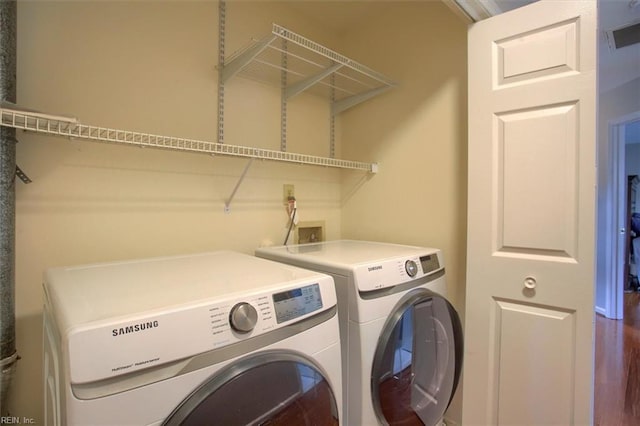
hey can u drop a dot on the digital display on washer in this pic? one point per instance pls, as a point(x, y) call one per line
point(429, 263)
point(293, 303)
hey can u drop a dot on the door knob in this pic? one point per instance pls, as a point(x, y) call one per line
point(530, 282)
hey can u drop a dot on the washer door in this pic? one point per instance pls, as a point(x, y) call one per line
point(417, 363)
point(270, 388)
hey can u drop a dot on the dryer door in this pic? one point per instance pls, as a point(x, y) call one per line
point(270, 388)
point(417, 363)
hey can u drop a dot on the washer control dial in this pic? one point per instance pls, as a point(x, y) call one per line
point(411, 267)
point(243, 317)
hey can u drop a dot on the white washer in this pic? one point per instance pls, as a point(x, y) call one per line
point(214, 338)
point(401, 338)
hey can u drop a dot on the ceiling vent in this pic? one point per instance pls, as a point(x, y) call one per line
point(624, 36)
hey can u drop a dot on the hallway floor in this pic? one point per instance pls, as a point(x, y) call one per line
point(617, 367)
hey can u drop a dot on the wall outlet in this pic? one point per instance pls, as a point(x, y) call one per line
point(288, 190)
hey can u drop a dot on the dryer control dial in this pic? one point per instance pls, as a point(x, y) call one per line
point(243, 317)
point(411, 267)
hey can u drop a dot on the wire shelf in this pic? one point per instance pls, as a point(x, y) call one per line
point(69, 127)
point(310, 67)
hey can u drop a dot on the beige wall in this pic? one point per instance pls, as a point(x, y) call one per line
point(417, 133)
point(150, 66)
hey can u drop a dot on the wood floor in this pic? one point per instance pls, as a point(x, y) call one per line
point(617, 370)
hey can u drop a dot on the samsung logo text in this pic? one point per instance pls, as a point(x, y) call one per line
point(134, 328)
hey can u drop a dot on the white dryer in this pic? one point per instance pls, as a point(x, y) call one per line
point(401, 338)
point(218, 338)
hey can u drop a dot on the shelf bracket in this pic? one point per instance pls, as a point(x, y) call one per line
point(303, 85)
point(227, 204)
point(351, 101)
point(240, 61)
point(22, 175)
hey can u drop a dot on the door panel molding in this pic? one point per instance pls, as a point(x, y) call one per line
point(522, 364)
point(536, 182)
point(543, 53)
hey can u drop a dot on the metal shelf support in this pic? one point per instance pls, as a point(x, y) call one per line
point(303, 85)
point(239, 62)
point(227, 204)
point(351, 101)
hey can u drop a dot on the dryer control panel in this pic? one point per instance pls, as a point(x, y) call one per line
point(180, 332)
point(392, 272)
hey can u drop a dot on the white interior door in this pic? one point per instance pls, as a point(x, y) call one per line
point(531, 223)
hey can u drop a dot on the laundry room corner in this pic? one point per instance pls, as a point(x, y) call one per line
point(419, 196)
point(152, 70)
point(148, 67)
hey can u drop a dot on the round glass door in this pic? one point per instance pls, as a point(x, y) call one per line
point(417, 363)
point(274, 388)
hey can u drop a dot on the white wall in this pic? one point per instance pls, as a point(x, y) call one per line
point(613, 105)
point(150, 66)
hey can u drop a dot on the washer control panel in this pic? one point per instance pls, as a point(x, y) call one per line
point(235, 320)
point(183, 331)
point(391, 272)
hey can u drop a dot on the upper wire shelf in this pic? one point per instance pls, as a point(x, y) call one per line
point(70, 127)
point(309, 67)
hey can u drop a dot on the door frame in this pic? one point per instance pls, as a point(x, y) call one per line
point(615, 227)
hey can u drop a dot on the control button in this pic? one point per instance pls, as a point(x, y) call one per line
point(243, 317)
point(411, 267)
